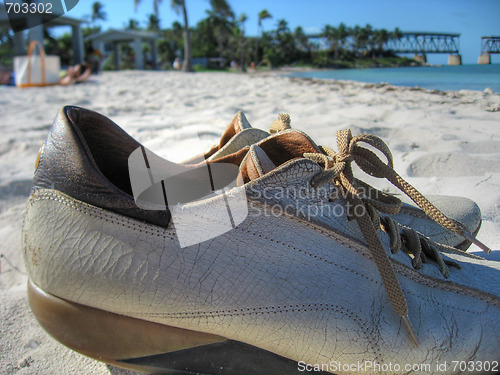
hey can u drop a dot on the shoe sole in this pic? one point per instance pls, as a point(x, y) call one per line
point(149, 347)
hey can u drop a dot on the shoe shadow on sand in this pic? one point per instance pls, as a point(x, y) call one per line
point(120, 371)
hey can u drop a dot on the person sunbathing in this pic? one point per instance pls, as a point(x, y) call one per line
point(76, 74)
point(6, 76)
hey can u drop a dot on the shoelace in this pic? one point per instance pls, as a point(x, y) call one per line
point(282, 123)
point(339, 171)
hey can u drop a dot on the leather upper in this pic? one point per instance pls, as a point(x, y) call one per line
point(85, 156)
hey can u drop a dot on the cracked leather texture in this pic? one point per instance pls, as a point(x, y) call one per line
point(307, 290)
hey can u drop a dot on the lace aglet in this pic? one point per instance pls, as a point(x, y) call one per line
point(410, 329)
point(476, 242)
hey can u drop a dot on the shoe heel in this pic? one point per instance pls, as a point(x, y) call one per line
point(106, 336)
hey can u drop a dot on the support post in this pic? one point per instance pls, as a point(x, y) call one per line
point(139, 57)
point(35, 32)
point(154, 54)
point(19, 47)
point(99, 45)
point(420, 58)
point(116, 52)
point(77, 41)
point(484, 59)
point(454, 60)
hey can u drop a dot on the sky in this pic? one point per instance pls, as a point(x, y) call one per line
point(470, 18)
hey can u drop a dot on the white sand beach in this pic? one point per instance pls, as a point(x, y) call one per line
point(443, 143)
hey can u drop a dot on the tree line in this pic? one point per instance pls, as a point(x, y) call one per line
point(222, 34)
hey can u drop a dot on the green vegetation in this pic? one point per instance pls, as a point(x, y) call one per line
point(221, 35)
point(201, 68)
point(180, 7)
point(6, 47)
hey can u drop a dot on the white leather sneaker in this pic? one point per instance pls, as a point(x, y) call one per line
point(313, 277)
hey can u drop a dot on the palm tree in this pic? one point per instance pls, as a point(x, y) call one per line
point(302, 44)
point(283, 49)
point(380, 38)
point(239, 40)
point(263, 14)
point(396, 34)
point(330, 33)
point(362, 37)
point(98, 13)
point(222, 9)
point(133, 24)
point(394, 37)
point(243, 18)
point(282, 27)
point(221, 20)
point(342, 34)
point(179, 6)
point(156, 4)
point(153, 23)
point(369, 36)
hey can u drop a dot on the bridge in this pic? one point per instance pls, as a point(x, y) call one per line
point(422, 43)
point(489, 45)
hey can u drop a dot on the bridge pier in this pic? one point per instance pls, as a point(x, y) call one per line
point(454, 60)
point(484, 59)
point(420, 58)
point(422, 43)
point(489, 45)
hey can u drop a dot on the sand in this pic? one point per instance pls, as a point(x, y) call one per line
point(443, 143)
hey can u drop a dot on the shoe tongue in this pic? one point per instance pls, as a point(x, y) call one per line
point(255, 164)
point(273, 151)
point(238, 134)
point(237, 125)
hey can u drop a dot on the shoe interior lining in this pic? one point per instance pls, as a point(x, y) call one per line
point(108, 145)
point(287, 146)
point(279, 149)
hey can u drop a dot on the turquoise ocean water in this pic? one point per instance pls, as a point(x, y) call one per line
point(467, 77)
